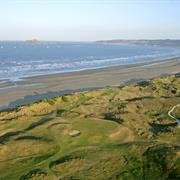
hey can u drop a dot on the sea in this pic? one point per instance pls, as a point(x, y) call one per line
point(20, 59)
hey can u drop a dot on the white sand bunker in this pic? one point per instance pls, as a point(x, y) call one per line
point(74, 133)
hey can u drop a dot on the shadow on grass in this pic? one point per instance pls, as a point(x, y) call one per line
point(112, 117)
point(34, 172)
point(139, 98)
point(4, 138)
point(64, 159)
point(41, 122)
point(31, 138)
point(164, 128)
point(38, 97)
point(8, 135)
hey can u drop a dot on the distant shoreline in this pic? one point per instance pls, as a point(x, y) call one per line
point(32, 89)
point(151, 42)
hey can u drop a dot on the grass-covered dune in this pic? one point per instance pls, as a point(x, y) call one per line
point(117, 133)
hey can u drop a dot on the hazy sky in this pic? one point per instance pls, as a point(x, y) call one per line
point(84, 20)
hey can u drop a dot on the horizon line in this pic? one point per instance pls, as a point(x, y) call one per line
point(122, 39)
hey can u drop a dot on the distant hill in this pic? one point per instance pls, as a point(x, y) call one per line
point(166, 42)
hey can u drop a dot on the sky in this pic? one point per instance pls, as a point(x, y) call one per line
point(89, 20)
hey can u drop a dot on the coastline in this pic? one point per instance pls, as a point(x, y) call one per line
point(46, 86)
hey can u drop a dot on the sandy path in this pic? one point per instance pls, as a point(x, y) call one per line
point(170, 114)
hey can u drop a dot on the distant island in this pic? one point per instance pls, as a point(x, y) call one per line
point(35, 41)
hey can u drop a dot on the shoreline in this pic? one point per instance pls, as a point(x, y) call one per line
point(47, 86)
point(21, 79)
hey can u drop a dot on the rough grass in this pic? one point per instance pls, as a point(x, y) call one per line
point(126, 133)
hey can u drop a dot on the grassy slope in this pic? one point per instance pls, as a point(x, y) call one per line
point(125, 134)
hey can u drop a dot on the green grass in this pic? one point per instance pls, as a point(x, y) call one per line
point(126, 133)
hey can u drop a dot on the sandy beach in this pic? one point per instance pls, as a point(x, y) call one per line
point(47, 86)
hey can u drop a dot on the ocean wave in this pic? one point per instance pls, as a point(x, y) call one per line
point(20, 64)
point(22, 69)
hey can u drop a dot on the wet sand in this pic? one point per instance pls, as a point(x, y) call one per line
point(46, 86)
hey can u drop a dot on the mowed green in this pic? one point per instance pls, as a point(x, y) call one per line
point(123, 133)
